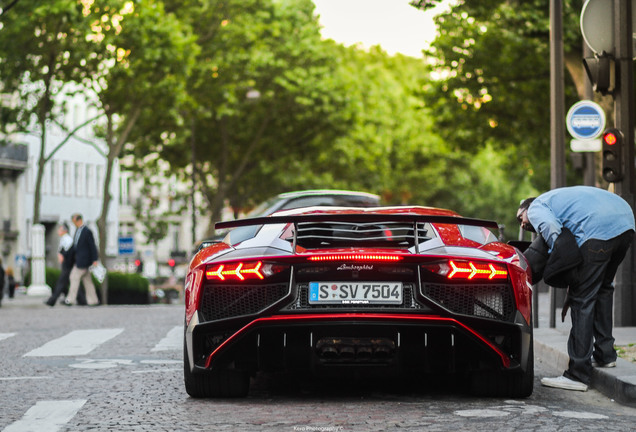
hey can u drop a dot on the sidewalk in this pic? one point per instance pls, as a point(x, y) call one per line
point(550, 344)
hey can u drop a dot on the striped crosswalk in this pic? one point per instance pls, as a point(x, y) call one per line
point(172, 342)
point(47, 416)
point(78, 342)
point(53, 415)
point(6, 335)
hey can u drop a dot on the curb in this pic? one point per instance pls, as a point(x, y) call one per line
point(617, 383)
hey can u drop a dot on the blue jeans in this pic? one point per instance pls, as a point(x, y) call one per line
point(591, 305)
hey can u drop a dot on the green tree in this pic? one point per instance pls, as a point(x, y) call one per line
point(142, 77)
point(263, 94)
point(130, 58)
point(43, 53)
point(492, 60)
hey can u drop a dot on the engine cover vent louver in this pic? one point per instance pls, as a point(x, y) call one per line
point(363, 234)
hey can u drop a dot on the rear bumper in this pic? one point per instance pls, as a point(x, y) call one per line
point(400, 342)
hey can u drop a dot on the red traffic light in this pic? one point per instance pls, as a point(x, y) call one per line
point(137, 262)
point(612, 155)
point(171, 262)
point(610, 138)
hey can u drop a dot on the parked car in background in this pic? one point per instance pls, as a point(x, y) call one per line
point(312, 198)
point(306, 198)
point(410, 292)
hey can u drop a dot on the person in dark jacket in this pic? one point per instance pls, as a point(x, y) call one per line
point(85, 256)
point(66, 257)
point(602, 225)
point(1, 281)
point(11, 282)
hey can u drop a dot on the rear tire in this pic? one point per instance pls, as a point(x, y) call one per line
point(518, 384)
point(229, 383)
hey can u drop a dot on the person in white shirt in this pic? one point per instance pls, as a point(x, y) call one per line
point(66, 257)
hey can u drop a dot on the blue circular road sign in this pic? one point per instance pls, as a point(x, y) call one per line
point(585, 120)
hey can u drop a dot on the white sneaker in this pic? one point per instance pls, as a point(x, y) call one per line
point(603, 365)
point(564, 383)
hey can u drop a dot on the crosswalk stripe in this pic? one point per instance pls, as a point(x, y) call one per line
point(47, 416)
point(6, 335)
point(18, 378)
point(172, 341)
point(78, 342)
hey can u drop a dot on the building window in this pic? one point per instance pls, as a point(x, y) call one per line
point(31, 173)
point(45, 186)
point(124, 188)
point(90, 174)
point(100, 181)
point(68, 178)
point(80, 179)
point(55, 177)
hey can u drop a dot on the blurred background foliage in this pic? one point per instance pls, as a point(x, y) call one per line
point(257, 103)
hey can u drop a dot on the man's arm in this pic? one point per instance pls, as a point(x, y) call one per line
point(545, 222)
point(93, 248)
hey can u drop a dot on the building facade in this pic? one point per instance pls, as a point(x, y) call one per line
point(73, 182)
point(143, 208)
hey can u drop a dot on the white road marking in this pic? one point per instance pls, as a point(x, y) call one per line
point(47, 416)
point(4, 336)
point(579, 415)
point(522, 408)
point(100, 363)
point(173, 341)
point(18, 378)
point(78, 342)
point(158, 370)
point(161, 361)
point(482, 413)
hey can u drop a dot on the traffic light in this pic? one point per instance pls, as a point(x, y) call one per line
point(599, 71)
point(612, 155)
point(171, 262)
point(139, 265)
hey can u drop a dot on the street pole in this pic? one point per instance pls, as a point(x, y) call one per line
point(625, 307)
point(557, 98)
point(557, 117)
point(589, 172)
point(193, 245)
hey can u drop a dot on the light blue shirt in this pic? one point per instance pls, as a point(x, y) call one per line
point(588, 212)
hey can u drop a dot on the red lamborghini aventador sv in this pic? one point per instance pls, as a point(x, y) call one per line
point(411, 291)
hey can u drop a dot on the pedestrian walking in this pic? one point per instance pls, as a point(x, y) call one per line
point(85, 256)
point(66, 257)
point(1, 281)
point(587, 232)
point(10, 282)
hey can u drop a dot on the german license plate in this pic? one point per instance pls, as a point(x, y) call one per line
point(355, 293)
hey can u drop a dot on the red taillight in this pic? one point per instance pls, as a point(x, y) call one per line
point(237, 271)
point(469, 270)
point(240, 271)
point(355, 257)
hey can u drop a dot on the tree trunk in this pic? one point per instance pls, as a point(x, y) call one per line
point(114, 148)
point(37, 197)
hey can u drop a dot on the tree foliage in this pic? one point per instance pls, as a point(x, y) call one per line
point(43, 52)
point(261, 95)
point(492, 58)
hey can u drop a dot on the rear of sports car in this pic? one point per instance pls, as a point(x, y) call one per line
point(376, 295)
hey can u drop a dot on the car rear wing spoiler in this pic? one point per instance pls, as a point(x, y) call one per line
point(358, 218)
